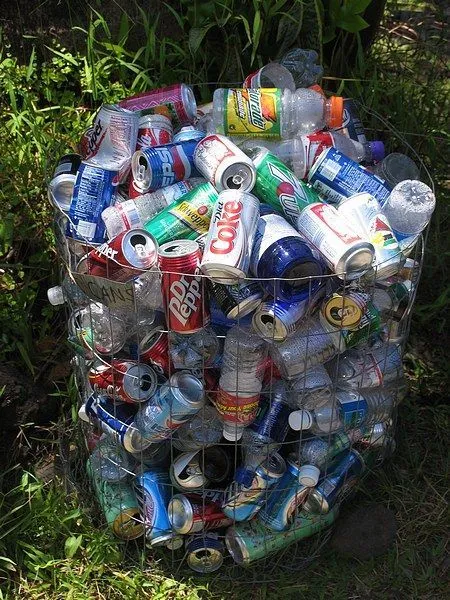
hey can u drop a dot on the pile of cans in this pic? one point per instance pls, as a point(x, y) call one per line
point(237, 332)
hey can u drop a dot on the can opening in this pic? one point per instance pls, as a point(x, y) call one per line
point(146, 382)
point(267, 320)
point(138, 240)
point(235, 182)
point(203, 554)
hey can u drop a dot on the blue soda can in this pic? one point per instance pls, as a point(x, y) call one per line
point(283, 260)
point(336, 177)
point(337, 484)
point(246, 494)
point(221, 323)
point(153, 492)
point(94, 190)
point(284, 499)
point(271, 422)
point(188, 133)
point(276, 319)
point(159, 166)
point(116, 420)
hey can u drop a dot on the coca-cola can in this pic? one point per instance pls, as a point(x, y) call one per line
point(127, 381)
point(224, 164)
point(230, 237)
point(154, 130)
point(182, 286)
point(125, 256)
point(112, 139)
point(191, 513)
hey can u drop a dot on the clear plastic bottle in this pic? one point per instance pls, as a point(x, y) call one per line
point(349, 409)
point(409, 208)
point(194, 350)
point(358, 368)
point(204, 430)
point(109, 329)
point(134, 213)
point(302, 64)
point(69, 292)
point(272, 75)
point(243, 358)
point(396, 167)
point(300, 152)
point(110, 461)
point(311, 390)
point(147, 291)
point(302, 111)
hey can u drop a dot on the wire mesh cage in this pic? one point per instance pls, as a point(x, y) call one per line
point(221, 427)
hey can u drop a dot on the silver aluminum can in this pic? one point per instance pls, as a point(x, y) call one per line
point(346, 253)
point(193, 471)
point(204, 552)
point(113, 137)
point(363, 212)
point(61, 186)
point(230, 237)
point(224, 164)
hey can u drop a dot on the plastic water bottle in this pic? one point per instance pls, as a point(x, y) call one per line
point(135, 213)
point(396, 167)
point(204, 430)
point(147, 291)
point(361, 369)
point(302, 111)
point(243, 357)
point(349, 409)
point(300, 152)
point(69, 292)
point(409, 208)
point(109, 329)
point(311, 390)
point(194, 350)
point(110, 461)
point(302, 64)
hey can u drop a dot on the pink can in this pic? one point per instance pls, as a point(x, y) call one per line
point(154, 130)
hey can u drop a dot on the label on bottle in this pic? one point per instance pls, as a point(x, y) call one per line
point(235, 408)
point(353, 410)
point(253, 111)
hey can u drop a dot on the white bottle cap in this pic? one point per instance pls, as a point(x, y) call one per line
point(308, 475)
point(300, 419)
point(232, 432)
point(55, 295)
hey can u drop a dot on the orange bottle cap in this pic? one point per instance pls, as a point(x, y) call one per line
point(336, 112)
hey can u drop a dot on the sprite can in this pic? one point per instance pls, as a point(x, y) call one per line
point(187, 218)
point(119, 505)
point(279, 187)
point(251, 541)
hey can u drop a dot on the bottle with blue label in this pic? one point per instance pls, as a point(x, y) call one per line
point(346, 410)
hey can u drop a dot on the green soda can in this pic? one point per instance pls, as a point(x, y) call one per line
point(185, 219)
point(250, 541)
point(278, 186)
point(119, 506)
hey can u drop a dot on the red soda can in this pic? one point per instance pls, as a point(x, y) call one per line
point(153, 349)
point(154, 130)
point(123, 257)
point(83, 144)
point(134, 190)
point(178, 98)
point(182, 286)
point(191, 513)
point(124, 380)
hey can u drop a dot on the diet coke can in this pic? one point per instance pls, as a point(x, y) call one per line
point(123, 257)
point(154, 130)
point(182, 286)
point(113, 137)
point(127, 381)
point(230, 238)
point(224, 164)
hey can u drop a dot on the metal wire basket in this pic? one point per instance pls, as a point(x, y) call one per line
point(129, 512)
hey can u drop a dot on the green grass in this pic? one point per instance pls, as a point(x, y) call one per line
point(51, 548)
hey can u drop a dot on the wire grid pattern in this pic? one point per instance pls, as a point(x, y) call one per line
point(173, 559)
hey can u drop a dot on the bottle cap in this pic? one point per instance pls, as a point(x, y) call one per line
point(336, 112)
point(308, 475)
point(232, 432)
point(55, 295)
point(300, 419)
point(377, 150)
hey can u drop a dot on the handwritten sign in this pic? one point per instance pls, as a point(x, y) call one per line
point(112, 294)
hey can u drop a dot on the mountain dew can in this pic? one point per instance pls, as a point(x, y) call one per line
point(278, 186)
point(187, 218)
point(119, 505)
point(250, 541)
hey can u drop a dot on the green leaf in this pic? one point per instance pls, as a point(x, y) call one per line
point(352, 23)
point(356, 7)
point(197, 35)
point(257, 29)
point(71, 545)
